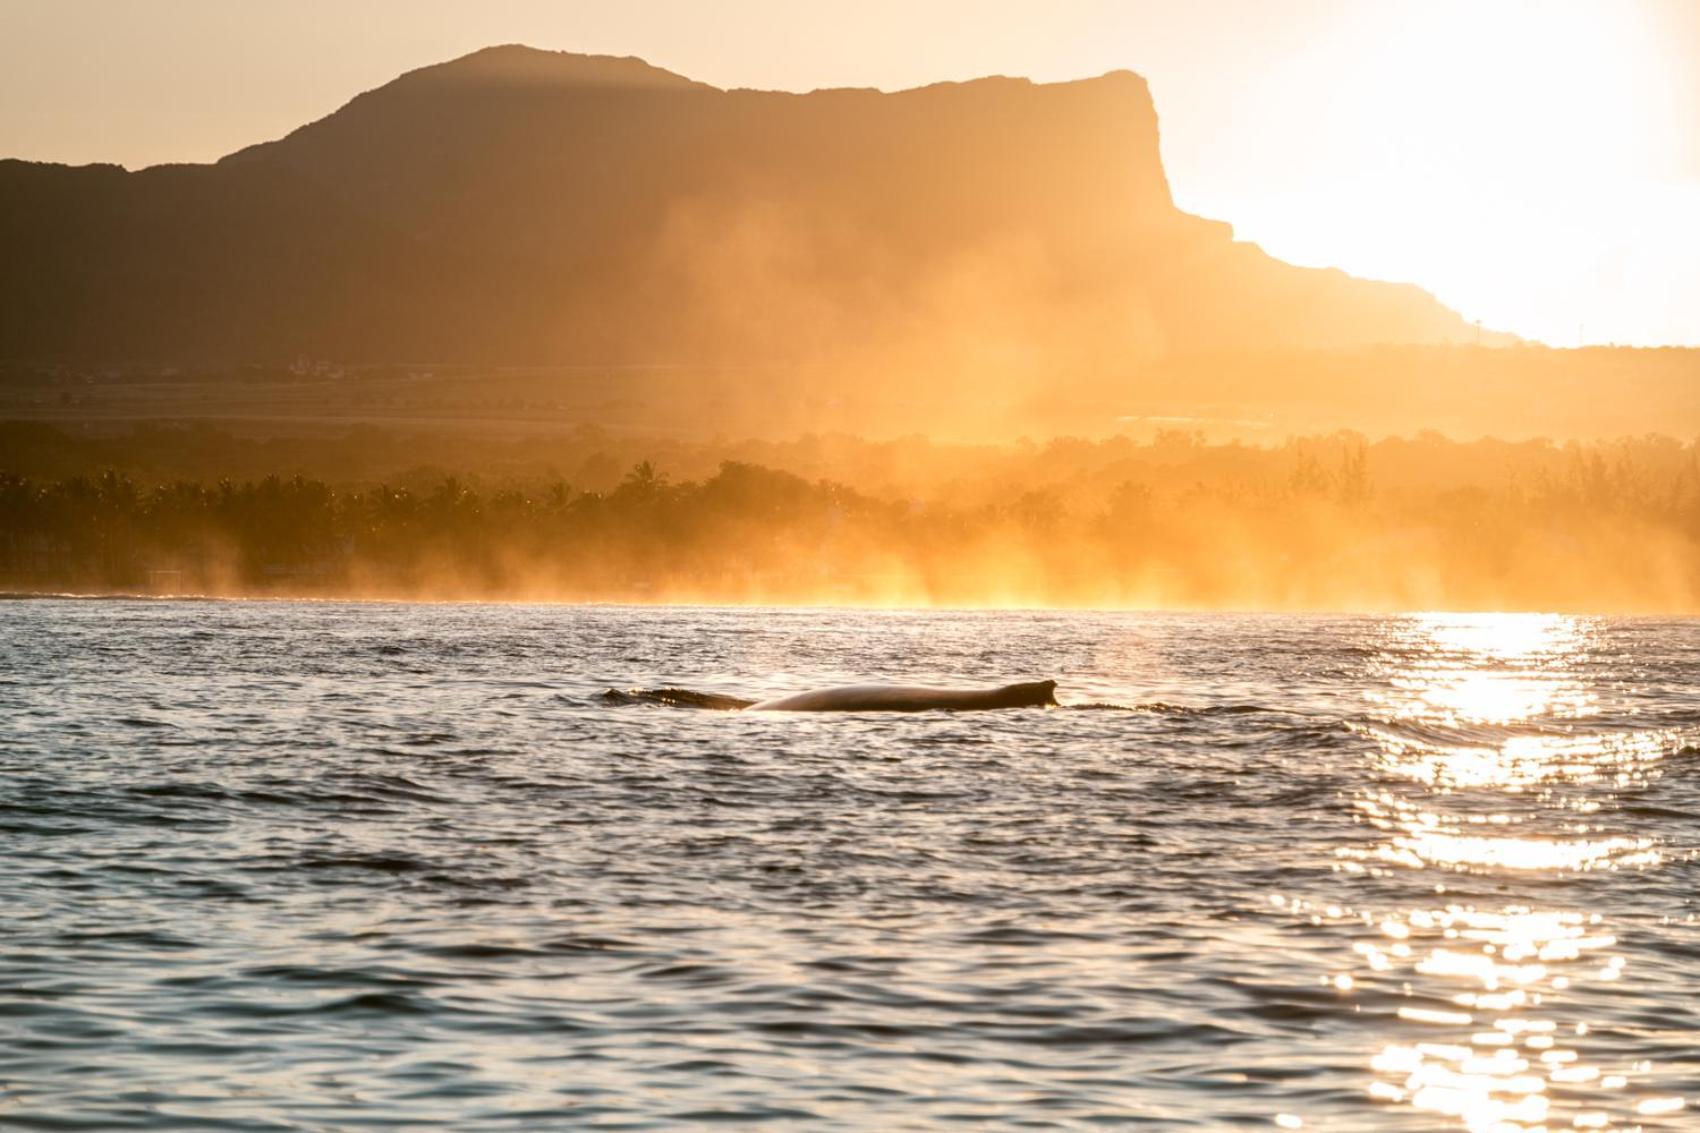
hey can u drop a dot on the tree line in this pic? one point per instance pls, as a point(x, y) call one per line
point(1328, 525)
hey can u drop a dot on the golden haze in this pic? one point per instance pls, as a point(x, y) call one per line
point(1533, 164)
point(1328, 523)
point(995, 264)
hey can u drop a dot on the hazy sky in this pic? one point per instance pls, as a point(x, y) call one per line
point(1535, 163)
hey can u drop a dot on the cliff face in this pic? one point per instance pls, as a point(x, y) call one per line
point(527, 206)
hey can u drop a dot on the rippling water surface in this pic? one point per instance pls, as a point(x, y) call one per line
point(320, 866)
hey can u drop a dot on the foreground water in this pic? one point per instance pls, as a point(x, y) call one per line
point(320, 867)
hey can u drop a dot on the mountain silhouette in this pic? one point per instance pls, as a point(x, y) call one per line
point(523, 206)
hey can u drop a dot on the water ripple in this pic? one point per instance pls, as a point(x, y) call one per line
point(318, 866)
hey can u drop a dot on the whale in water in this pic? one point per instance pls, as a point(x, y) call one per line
point(911, 698)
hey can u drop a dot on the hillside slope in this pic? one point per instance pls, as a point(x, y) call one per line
point(520, 206)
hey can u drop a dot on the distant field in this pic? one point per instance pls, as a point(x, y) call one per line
point(1464, 392)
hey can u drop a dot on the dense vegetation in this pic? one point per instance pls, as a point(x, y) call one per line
point(1329, 523)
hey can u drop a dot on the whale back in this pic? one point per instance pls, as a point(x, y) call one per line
point(911, 698)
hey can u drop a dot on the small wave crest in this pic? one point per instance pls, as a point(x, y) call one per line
point(674, 698)
point(1160, 708)
point(1452, 735)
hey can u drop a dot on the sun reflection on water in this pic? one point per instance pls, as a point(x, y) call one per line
point(1522, 762)
point(1486, 669)
point(1500, 636)
point(1419, 838)
point(1496, 761)
point(1493, 1042)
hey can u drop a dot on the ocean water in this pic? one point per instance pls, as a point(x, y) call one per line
point(318, 866)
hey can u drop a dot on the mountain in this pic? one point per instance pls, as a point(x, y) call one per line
point(522, 206)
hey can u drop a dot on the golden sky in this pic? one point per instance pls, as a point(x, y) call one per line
point(1535, 163)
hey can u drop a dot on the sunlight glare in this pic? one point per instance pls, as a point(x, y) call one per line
point(1469, 116)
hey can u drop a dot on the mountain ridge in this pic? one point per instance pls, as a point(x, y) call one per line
point(517, 205)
